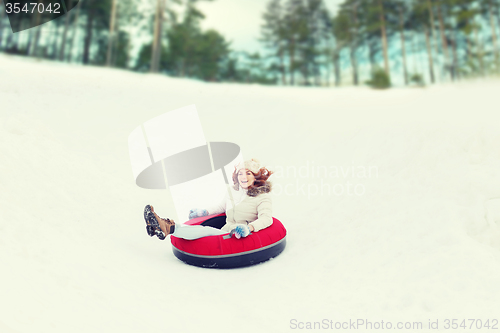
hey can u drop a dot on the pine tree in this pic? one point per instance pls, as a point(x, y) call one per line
point(442, 9)
point(319, 31)
point(402, 9)
point(369, 30)
point(273, 35)
point(464, 12)
point(89, 13)
point(2, 15)
point(343, 32)
point(419, 20)
point(346, 31)
point(487, 11)
point(157, 36)
point(295, 34)
point(65, 33)
point(111, 37)
point(397, 23)
point(383, 33)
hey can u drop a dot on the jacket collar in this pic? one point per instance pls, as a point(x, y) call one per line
point(255, 191)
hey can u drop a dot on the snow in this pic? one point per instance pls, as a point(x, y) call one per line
point(418, 241)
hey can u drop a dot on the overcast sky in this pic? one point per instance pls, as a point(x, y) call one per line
point(240, 20)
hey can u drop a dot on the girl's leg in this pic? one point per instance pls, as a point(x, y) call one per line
point(191, 232)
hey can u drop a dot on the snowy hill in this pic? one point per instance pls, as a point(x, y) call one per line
point(391, 200)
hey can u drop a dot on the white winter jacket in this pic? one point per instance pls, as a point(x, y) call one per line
point(252, 207)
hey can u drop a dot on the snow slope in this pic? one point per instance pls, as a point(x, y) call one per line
point(391, 200)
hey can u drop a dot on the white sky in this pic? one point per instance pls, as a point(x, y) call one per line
point(240, 20)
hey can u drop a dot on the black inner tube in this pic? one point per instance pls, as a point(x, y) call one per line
point(215, 222)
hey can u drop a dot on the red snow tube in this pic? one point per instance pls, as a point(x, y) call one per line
point(226, 252)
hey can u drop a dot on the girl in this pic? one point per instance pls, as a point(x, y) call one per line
point(248, 209)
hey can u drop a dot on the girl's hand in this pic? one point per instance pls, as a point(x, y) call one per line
point(241, 231)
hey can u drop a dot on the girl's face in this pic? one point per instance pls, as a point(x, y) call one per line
point(245, 178)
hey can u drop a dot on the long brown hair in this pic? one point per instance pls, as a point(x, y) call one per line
point(260, 177)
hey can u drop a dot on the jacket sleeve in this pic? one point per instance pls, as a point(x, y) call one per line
point(264, 213)
point(218, 208)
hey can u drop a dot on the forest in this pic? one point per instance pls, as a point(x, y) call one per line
point(375, 42)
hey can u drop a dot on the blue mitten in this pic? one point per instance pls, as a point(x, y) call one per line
point(197, 213)
point(241, 231)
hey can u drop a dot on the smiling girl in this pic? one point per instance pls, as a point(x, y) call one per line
point(248, 208)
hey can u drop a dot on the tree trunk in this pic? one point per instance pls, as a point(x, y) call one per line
point(336, 66)
point(317, 72)
point(384, 36)
point(456, 72)
point(498, 16)
point(403, 49)
point(156, 48)
point(371, 55)
point(444, 42)
point(117, 40)
point(292, 61)
point(429, 54)
point(414, 52)
point(14, 43)
point(433, 33)
point(160, 33)
point(480, 54)
point(9, 40)
point(88, 36)
point(18, 43)
point(431, 24)
point(111, 36)
point(354, 66)
point(64, 37)
point(38, 28)
point(282, 66)
point(55, 42)
point(326, 78)
point(30, 37)
point(2, 14)
point(305, 74)
point(494, 37)
point(50, 43)
point(73, 34)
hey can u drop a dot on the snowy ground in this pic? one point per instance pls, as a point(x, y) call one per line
point(413, 237)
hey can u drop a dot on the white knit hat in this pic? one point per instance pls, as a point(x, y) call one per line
point(251, 164)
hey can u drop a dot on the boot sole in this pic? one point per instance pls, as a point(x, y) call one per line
point(152, 226)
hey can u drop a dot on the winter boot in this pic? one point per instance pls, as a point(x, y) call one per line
point(152, 224)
